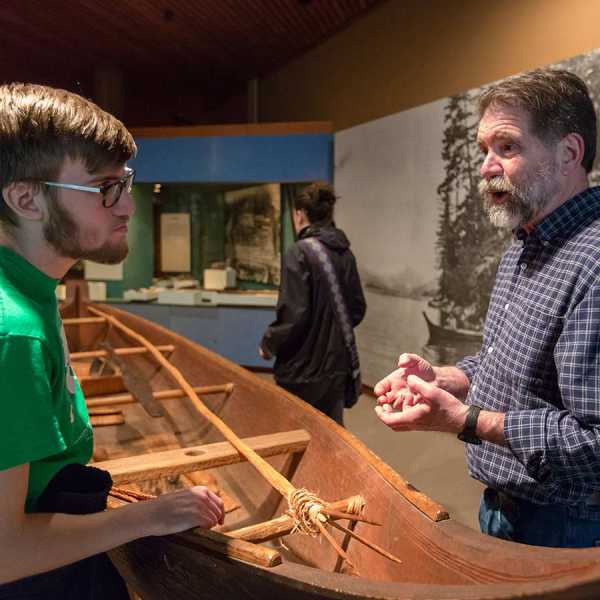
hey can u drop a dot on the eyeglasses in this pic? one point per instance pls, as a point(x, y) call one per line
point(111, 192)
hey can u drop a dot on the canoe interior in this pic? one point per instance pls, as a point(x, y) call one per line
point(441, 558)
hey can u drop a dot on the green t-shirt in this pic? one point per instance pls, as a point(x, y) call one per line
point(44, 417)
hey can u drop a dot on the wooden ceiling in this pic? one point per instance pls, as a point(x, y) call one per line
point(207, 48)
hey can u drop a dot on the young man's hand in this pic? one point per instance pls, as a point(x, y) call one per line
point(192, 507)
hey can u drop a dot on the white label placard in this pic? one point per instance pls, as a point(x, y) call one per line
point(175, 244)
point(94, 270)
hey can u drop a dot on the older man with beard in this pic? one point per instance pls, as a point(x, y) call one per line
point(65, 196)
point(528, 404)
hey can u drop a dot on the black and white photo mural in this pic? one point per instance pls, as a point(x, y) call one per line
point(426, 251)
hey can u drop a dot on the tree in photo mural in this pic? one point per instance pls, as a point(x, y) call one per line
point(468, 246)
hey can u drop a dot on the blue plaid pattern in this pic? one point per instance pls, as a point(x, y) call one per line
point(540, 361)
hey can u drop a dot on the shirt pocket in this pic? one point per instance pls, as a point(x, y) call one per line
point(526, 347)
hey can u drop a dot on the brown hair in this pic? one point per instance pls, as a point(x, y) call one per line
point(557, 101)
point(317, 200)
point(41, 126)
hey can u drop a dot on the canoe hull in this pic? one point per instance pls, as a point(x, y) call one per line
point(162, 568)
point(441, 559)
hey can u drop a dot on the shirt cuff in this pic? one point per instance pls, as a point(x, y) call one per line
point(525, 434)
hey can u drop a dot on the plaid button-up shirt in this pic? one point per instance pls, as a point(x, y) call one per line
point(540, 361)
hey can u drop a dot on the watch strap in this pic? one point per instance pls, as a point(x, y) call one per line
point(468, 434)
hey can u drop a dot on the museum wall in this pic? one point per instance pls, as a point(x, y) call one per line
point(408, 53)
point(393, 85)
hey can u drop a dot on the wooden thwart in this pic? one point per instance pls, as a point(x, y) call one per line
point(282, 525)
point(83, 321)
point(115, 399)
point(184, 460)
point(106, 420)
point(104, 384)
point(167, 348)
point(94, 412)
point(222, 544)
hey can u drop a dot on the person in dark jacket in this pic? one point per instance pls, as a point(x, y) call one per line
point(312, 359)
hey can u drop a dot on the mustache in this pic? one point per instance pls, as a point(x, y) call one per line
point(500, 183)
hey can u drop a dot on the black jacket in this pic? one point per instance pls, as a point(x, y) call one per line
point(305, 337)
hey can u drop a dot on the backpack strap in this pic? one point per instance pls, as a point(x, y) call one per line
point(321, 257)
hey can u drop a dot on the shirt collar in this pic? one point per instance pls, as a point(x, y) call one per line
point(567, 219)
point(24, 276)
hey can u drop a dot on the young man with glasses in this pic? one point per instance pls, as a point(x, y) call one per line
point(65, 196)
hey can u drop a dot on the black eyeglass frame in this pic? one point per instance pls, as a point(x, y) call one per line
point(124, 183)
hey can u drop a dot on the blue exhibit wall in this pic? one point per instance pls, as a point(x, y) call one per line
point(276, 152)
point(236, 159)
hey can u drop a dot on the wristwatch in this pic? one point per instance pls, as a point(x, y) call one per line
point(468, 434)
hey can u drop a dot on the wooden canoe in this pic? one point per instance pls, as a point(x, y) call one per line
point(441, 559)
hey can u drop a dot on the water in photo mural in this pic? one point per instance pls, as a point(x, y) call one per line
point(430, 260)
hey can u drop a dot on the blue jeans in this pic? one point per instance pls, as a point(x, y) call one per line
point(554, 525)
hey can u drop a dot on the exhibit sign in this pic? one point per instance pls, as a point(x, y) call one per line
point(175, 247)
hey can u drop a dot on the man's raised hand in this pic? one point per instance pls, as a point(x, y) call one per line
point(393, 389)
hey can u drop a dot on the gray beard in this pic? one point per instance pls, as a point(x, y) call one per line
point(512, 214)
point(521, 204)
